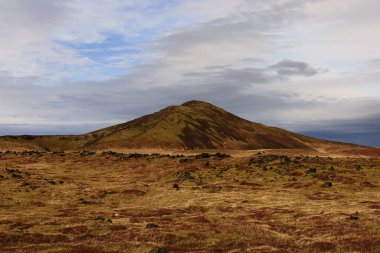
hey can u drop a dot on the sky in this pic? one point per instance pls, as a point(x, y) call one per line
point(309, 66)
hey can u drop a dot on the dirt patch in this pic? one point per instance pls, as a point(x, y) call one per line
point(12, 239)
point(324, 196)
point(375, 206)
point(77, 230)
point(323, 246)
point(134, 192)
point(85, 249)
point(250, 184)
point(266, 212)
point(345, 180)
point(199, 219)
point(194, 209)
point(67, 212)
point(366, 243)
point(298, 185)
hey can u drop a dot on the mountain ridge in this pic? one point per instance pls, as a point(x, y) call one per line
point(191, 125)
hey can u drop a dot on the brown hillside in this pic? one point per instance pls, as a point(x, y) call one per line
point(195, 125)
point(192, 125)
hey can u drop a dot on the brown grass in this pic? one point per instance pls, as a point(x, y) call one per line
point(254, 203)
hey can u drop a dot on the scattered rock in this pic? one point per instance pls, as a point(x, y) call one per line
point(186, 176)
point(202, 155)
point(285, 160)
point(311, 170)
point(52, 182)
point(12, 171)
point(327, 184)
point(183, 160)
point(82, 201)
point(14, 175)
point(136, 155)
point(101, 218)
point(353, 217)
point(23, 184)
point(86, 153)
point(176, 186)
point(22, 227)
point(221, 156)
point(152, 225)
point(158, 250)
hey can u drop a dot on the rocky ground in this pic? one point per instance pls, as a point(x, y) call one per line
point(113, 202)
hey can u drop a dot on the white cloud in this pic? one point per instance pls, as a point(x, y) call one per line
point(266, 60)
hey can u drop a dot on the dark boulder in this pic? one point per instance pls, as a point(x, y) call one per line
point(152, 225)
point(327, 184)
point(158, 250)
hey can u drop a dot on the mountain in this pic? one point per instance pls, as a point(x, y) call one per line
point(195, 125)
point(192, 125)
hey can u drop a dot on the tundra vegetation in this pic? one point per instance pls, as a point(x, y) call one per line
point(208, 202)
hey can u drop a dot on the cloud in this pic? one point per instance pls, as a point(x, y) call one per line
point(249, 76)
point(50, 39)
point(105, 103)
point(88, 106)
point(81, 64)
point(291, 68)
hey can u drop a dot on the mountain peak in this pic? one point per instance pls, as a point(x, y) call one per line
point(193, 125)
point(196, 103)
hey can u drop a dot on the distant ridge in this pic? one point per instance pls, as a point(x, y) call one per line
point(192, 125)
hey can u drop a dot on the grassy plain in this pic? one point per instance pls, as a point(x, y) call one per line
point(250, 202)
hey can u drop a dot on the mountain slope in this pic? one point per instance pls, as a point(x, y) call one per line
point(192, 125)
point(195, 125)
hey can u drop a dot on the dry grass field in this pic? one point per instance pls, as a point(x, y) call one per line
point(111, 202)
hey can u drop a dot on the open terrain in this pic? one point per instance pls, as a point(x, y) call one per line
point(203, 180)
point(272, 201)
point(192, 125)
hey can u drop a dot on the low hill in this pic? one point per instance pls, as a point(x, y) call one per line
point(17, 146)
point(192, 125)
